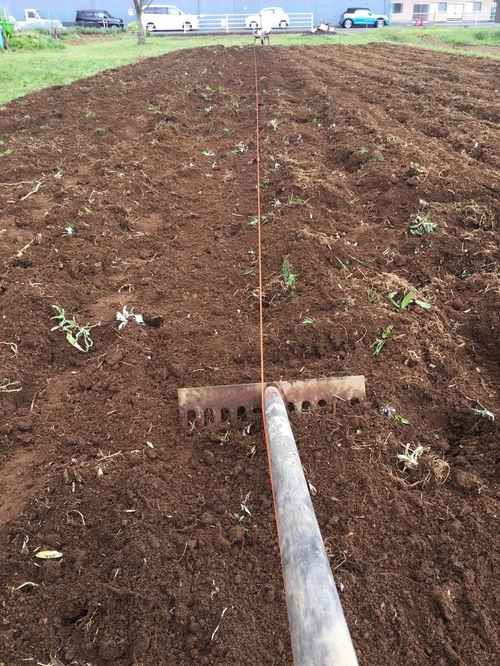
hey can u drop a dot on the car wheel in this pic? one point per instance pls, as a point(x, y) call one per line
point(283, 25)
point(187, 26)
point(150, 27)
point(379, 23)
point(253, 25)
point(347, 23)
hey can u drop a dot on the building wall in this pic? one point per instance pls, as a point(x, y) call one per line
point(442, 12)
point(327, 10)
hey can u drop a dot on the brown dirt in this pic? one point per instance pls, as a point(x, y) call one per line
point(367, 139)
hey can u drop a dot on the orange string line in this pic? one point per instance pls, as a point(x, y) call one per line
point(259, 235)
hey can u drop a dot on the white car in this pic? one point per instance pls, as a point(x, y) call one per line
point(168, 17)
point(270, 17)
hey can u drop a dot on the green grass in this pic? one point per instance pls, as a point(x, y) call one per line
point(24, 70)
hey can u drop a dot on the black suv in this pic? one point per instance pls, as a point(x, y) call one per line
point(97, 18)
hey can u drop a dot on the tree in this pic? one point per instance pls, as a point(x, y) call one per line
point(140, 5)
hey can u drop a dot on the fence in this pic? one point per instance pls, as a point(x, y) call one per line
point(234, 23)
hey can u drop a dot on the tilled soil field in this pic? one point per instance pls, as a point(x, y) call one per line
point(134, 192)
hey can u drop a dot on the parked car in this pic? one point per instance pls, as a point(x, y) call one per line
point(168, 17)
point(97, 18)
point(362, 16)
point(33, 20)
point(270, 17)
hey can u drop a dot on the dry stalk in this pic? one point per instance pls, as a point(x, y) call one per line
point(6, 386)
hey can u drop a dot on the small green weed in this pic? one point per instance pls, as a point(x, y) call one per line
point(373, 296)
point(224, 438)
point(422, 225)
point(254, 220)
point(307, 321)
point(344, 266)
point(6, 152)
point(297, 201)
point(380, 342)
point(484, 413)
point(85, 211)
point(289, 278)
point(406, 300)
point(74, 332)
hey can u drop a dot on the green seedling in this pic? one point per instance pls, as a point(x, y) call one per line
point(410, 456)
point(373, 296)
point(297, 201)
point(379, 158)
point(207, 94)
point(273, 123)
point(240, 148)
point(364, 150)
point(380, 342)
point(484, 413)
point(289, 278)
point(224, 439)
point(85, 211)
point(307, 321)
point(252, 451)
point(407, 300)
point(401, 419)
point(69, 230)
point(215, 590)
point(358, 261)
point(74, 332)
point(344, 266)
point(208, 153)
point(422, 225)
point(354, 201)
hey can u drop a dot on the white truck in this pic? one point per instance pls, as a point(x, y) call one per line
point(33, 19)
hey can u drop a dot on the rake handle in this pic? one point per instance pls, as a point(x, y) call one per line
point(318, 629)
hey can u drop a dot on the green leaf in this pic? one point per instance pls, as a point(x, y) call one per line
point(423, 304)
